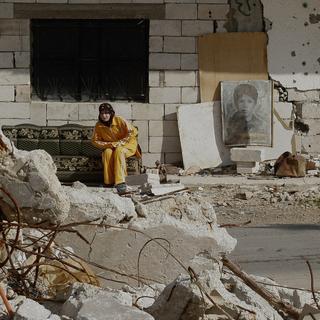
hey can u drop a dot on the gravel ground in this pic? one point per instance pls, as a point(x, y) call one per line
point(263, 204)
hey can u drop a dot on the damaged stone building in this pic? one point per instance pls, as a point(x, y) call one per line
point(60, 58)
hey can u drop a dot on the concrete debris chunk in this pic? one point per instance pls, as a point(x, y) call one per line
point(87, 302)
point(186, 223)
point(161, 189)
point(181, 299)
point(30, 177)
point(32, 310)
point(91, 203)
point(144, 296)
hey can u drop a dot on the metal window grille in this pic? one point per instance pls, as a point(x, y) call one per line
point(90, 60)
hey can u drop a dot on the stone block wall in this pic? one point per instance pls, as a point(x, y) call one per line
point(173, 70)
point(173, 74)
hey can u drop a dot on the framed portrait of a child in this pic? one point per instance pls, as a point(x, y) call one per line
point(247, 113)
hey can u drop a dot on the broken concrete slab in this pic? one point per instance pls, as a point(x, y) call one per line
point(32, 310)
point(200, 133)
point(91, 203)
point(30, 177)
point(86, 302)
point(246, 154)
point(187, 224)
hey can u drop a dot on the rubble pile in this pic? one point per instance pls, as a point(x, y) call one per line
point(30, 177)
point(224, 197)
point(100, 256)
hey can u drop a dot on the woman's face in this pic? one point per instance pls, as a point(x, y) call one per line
point(105, 116)
point(246, 106)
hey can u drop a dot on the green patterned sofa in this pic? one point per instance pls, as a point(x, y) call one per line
point(70, 147)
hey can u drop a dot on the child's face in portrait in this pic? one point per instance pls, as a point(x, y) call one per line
point(246, 105)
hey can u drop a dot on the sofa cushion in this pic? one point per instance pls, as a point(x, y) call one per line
point(28, 136)
point(87, 148)
point(49, 140)
point(70, 139)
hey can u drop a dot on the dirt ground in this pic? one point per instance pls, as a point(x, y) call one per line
point(263, 204)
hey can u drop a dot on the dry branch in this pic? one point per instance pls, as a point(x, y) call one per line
point(312, 284)
point(275, 302)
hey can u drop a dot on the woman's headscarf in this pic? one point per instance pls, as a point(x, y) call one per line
point(106, 107)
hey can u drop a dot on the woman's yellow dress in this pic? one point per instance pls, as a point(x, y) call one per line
point(118, 142)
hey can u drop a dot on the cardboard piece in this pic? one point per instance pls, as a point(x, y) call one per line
point(201, 136)
point(230, 56)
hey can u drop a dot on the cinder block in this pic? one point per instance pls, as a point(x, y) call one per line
point(246, 155)
point(189, 61)
point(6, 10)
point(308, 110)
point(147, 1)
point(85, 1)
point(180, 78)
point(141, 111)
point(213, 11)
point(284, 109)
point(213, 1)
point(173, 158)
point(52, 1)
point(181, 11)
point(295, 95)
point(165, 28)
point(90, 123)
point(170, 111)
point(13, 110)
point(56, 122)
point(15, 27)
point(180, 44)
point(154, 78)
point(14, 43)
point(163, 129)
point(10, 43)
point(156, 44)
point(140, 179)
point(38, 113)
point(12, 122)
point(6, 93)
point(220, 26)
point(23, 93)
point(149, 159)
point(190, 95)
point(314, 126)
point(22, 59)
point(164, 95)
point(164, 61)
point(143, 134)
point(123, 109)
point(180, 1)
point(164, 144)
point(88, 111)
point(247, 167)
point(62, 111)
point(6, 60)
point(14, 76)
point(310, 144)
point(197, 28)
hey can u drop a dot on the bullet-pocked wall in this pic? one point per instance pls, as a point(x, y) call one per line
point(173, 62)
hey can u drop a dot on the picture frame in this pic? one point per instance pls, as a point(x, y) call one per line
point(247, 112)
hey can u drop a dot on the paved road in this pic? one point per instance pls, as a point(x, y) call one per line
point(279, 252)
